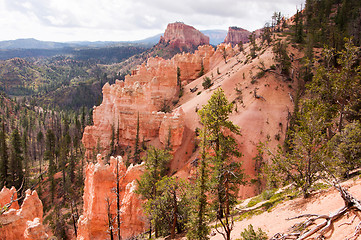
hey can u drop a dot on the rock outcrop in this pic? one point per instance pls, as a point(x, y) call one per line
point(21, 223)
point(8, 195)
point(172, 128)
point(35, 230)
point(141, 98)
point(236, 35)
point(99, 194)
point(183, 37)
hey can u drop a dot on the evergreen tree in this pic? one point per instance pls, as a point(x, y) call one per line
point(226, 173)
point(4, 159)
point(156, 162)
point(40, 141)
point(24, 143)
point(136, 156)
point(16, 160)
point(49, 156)
point(199, 215)
point(307, 157)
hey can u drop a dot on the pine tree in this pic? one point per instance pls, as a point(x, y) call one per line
point(4, 159)
point(198, 224)
point(136, 156)
point(156, 162)
point(49, 155)
point(16, 159)
point(40, 141)
point(226, 173)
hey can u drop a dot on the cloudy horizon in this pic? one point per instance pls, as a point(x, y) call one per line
point(128, 20)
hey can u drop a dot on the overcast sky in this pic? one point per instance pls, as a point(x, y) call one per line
point(121, 20)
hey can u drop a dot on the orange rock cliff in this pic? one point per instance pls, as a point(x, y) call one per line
point(183, 37)
point(100, 192)
point(236, 35)
point(24, 222)
point(151, 87)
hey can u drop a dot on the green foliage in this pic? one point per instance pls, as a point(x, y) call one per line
point(16, 160)
point(332, 20)
point(170, 209)
point(201, 72)
point(4, 159)
point(207, 82)
point(266, 34)
point(254, 47)
point(345, 148)
point(298, 20)
point(199, 213)
point(281, 57)
point(306, 159)
point(226, 174)
point(148, 187)
point(251, 234)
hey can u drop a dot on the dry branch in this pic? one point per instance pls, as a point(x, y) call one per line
point(301, 230)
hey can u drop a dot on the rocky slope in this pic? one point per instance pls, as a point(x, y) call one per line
point(236, 35)
point(24, 222)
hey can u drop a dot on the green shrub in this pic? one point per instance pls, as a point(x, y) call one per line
point(207, 83)
point(251, 234)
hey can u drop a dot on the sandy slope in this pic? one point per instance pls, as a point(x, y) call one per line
point(323, 202)
point(260, 119)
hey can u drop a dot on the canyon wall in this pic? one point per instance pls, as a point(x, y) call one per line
point(141, 98)
point(100, 200)
point(183, 37)
point(24, 222)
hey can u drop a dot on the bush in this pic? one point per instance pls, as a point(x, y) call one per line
point(251, 234)
point(207, 83)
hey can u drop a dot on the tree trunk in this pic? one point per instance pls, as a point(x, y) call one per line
point(175, 213)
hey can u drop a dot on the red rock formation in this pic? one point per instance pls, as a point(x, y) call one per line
point(151, 87)
point(236, 34)
point(6, 195)
point(35, 230)
point(172, 128)
point(14, 221)
point(100, 184)
point(183, 37)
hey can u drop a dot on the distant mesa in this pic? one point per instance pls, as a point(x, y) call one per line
point(183, 37)
point(236, 35)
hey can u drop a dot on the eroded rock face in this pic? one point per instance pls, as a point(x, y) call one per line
point(35, 230)
point(183, 37)
point(150, 88)
point(172, 128)
point(236, 35)
point(99, 193)
point(14, 221)
point(6, 195)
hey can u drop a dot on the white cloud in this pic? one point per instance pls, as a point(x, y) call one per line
point(129, 19)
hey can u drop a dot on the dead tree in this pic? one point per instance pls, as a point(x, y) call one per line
point(301, 230)
point(110, 218)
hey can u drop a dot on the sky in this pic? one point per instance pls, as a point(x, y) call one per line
point(125, 20)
